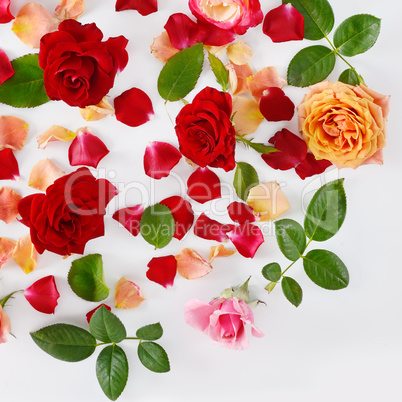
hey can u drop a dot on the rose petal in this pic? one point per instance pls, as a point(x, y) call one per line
point(182, 31)
point(220, 251)
point(246, 115)
point(238, 77)
point(86, 149)
point(311, 166)
point(247, 238)
point(144, 7)
point(130, 218)
point(133, 107)
point(97, 112)
point(91, 313)
point(43, 295)
point(216, 50)
point(128, 295)
point(9, 200)
point(5, 15)
point(7, 248)
point(159, 159)
point(13, 132)
point(6, 69)
point(283, 24)
point(268, 200)
point(211, 35)
point(162, 48)
point(204, 185)
point(182, 213)
point(240, 53)
point(25, 254)
point(43, 174)
point(197, 314)
point(266, 78)
point(240, 212)
point(8, 165)
point(69, 9)
point(162, 270)
point(209, 229)
point(32, 22)
point(55, 133)
point(276, 106)
point(190, 265)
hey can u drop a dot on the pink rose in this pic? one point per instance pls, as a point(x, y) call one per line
point(5, 326)
point(223, 320)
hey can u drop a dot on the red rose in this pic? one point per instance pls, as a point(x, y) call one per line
point(78, 67)
point(69, 215)
point(205, 132)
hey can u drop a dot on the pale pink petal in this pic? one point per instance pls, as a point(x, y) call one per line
point(247, 316)
point(6, 69)
point(97, 112)
point(128, 295)
point(7, 248)
point(159, 159)
point(162, 48)
point(43, 174)
point(238, 77)
point(240, 53)
point(197, 314)
point(247, 238)
point(246, 115)
point(220, 251)
point(263, 79)
point(9, 200)
point(25, 254)
point(55, 133)
point(190, 265)
point(13, 132)
point(376, 159)
point(69, 9)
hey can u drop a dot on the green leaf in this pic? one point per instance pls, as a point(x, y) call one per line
point(271, 286)
point(106, 327)
point(291, 238)
point(180, 74)
point(318, 17)
point(292, 291)
point(326, 269)
point(157, 225)
point(350, 77)
point(150, 332)
point(86, 278)
point(220, 72)
point(245, 179)
point(153, 357)
point(25, 88)
point(112, 371)
point(272, 272)
point(357, 34)
point(326, 211)
point(261, 148)
point(311, 65)
point(65, 342)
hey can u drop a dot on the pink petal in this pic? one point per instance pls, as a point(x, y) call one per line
point(86, 149)
point(211, 35)
point(97, 112)
point(144, 7)
point(162, 270)
point(311, 166)
point(9, 200)
point(240, 212)
point(219, 251)
point(91, 313)
point(276, 106)
point(133, 107)
point(266, 78)
point(182, 213)
point(43, 174)
point(197, 314)
point(5, 15)
point(13, 132)
point(43, 295)
point(204, 185)
point(182, 31)
point(246, 238)
point(69, 9)
point(283, 24)
point(8, 165)
point(55, 133)
point(7, 248)
point(162, 48)
point(159, 159)
point(209, 229)
point(128, 295)
point(25, 254)
point(190, 265)
point(6, 69)
point(130, 218)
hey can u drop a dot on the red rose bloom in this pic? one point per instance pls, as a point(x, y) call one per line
point(69, 215)
point(78, 67)
point(205, 132)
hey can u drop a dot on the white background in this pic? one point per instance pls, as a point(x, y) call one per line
point(343, 345)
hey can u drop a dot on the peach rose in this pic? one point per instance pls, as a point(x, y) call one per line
point(344, 124)
point(5, 326)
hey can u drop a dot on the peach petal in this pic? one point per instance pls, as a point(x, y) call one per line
point(190, 265)
point(263, 79)
point(55, 133)
point(220, 251)
point(43, 174)
point(97, 112)
point(240, 53)
point(238, 77)
point(7, 248)
point(162, 48)
point(25, 254)
point(69, 9)
point(216, 50)
point(128, 295)
point(32, 22)
point(9, 200)
point(13, 133)
point(247, 116)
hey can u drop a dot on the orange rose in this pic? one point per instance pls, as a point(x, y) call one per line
point(344, 124)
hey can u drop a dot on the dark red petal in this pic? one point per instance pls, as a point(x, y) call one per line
point(209, 229)
point(211, 35)
point(43, 295)
point(8, 165)
point(246, 238)
point(284, 23)
point(162, 270)
point(86, 149)
point(117, 47)
point(144, 7)
point(130, 218)
point(222, 100)
point(133, 107)
point(276, 106)
point(91, 313)
point(6, 69)
point(240, 212)
point(311, 166)
point(182, 31)
point(203, 185)
point(5, 15)
point(159, 159)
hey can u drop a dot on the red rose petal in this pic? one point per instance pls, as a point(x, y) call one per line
point(86, 149)
point(8, 165)
point(182, 213)
point(130, 218)
point(5, 15)
point(204, 185)
point(211, 35)
point(276, 106)
point(311, 166)
point(144, 7)
point(240, 212)
point(246, 238)
point(43, 295)
point(283, 24)
point(6, 69)
point(162, 270)
point(209, 229)
point(133, 107)
point(117, 47)
point(182, 31)
point(159, 159)
point(91, 313)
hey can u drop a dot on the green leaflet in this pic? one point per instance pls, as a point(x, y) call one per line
point(150, 332)
point(292, 291)
point(245, 179)
point(291, 238)
point(106, 327)
point(153, 357)
point(350, 77)
point(220, 72)
point(272, 272)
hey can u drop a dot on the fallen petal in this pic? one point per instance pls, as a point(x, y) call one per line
point(130, 218)
point(209, 229)
point(8, 165)
point(9, 200)
point(266, 78)
point(6, 69)
point(220, 251)
point(162, 270)
point(128, 295)
point(55, 133)
point(13, 132)
point(190, 265)
point(97, 112)
point(144, 7)
point(238, 77)
point(91, 313)
point(43, 174)
point(162, 48)
point(216, 50)
point(247, 238)
point(5, 15)
point(69, 9)
point(159, 159)
point(276, 106)
point(7, 248)
point(240, 212)
point(203, 185)
point(311, 166)
point(240, 53)
point(43, 295)
point(246, 115)
point(25, 254)
point(211, 35)
point(182, 31)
